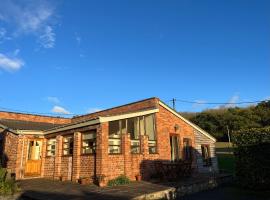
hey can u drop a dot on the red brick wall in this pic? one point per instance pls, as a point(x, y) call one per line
point(10, 151)
point(165, 125)
point(49, 167)
point(33, 118)
point(137, 106)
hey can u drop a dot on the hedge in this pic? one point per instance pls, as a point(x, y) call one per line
point(252, 157)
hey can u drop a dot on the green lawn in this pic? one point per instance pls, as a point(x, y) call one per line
point(225, 156)
point(226, 162)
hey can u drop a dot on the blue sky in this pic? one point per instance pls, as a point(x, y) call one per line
point(81, 56)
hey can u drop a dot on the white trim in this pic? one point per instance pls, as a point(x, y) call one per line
point(188, 122)
point(31, 132)
point(126, 116)
point(102, 120)
point(72, 126)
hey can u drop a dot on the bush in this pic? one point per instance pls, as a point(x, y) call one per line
point(7, 186)
point(120, 180)
point(252, 158)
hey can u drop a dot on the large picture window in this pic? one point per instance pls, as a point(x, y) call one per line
point(133, 127)
point(68, 145)
point(115, 137)
point(51, 147)
point(89, 142)
point(206, 156)
point(136, 126)
point(150, 131)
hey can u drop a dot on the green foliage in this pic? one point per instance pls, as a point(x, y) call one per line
point(120, 180)
point(216, 121)
point(7, 186)
point(252, 157)
point(3, 173)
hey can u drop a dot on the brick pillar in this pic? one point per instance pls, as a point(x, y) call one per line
point(20, 164)
point(76, 165)
point(43, 156)
point(145, 153)
point(127, 155)
point(58, 156)
point(144, 146)
point(102, 154)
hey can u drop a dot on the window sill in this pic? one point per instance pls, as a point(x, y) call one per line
point(115, 154)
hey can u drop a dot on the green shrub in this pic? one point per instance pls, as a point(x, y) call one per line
point(252, 157)
point(8, 186)
point(120, 180)
point(3, 173)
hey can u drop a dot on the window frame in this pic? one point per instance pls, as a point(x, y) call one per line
point(155, 134)
point(63, 143)
point(113, 138)
point(93, 139)
point(207, 162)
point(187, 148)
point(47, 150)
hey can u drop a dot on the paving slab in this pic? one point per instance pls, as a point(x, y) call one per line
point(44, 189)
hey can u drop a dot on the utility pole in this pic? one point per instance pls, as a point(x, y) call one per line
point(173, 102)
point(229, 137)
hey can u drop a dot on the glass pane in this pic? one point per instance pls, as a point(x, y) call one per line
point(114, 149)
point(149, 127)
point(114, 129)
point(135, 149)
point(133, 127)
point(90, 135)
point(123, 126)
point(142, 125)
point(114, 142)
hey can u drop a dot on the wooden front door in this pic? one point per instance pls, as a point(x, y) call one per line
point(33, 163)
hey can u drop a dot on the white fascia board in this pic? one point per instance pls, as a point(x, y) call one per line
point(31, 132)
point(187, 121)
point(72, 126)
point(129, 115)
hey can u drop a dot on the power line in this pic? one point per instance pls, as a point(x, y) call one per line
point(35, 113)
point(216, 103)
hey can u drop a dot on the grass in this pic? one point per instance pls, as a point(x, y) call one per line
point(226, 162)
point(225, 156)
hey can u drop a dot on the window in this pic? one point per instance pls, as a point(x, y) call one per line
point(68, 145)
point(187, 149)
point(174, 143)
point(89, 142)
point(149, 124)
point(115, 137)
point(133, 127)
point(206, 156)
point(51, 147)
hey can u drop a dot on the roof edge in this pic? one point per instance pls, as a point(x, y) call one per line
point(187, 121)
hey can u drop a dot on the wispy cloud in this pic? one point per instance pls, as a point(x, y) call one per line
point(78, 39)
point(33, 17)
point(10, 63)
point(53, 100)
point(232, 101)
point(3, 35)
point(92, 110)
point(199, 103)
point(60, 110)
point(47, 39)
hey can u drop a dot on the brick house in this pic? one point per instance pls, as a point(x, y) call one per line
point(122, 140)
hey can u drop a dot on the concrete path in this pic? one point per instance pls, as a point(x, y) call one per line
point(43, 189)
